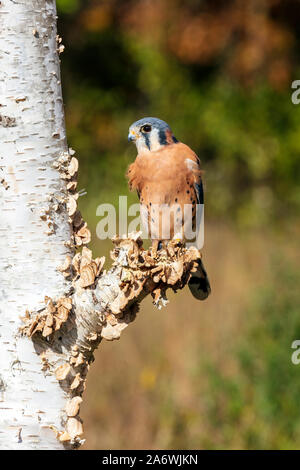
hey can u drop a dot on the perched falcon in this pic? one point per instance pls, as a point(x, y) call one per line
point(167, 177)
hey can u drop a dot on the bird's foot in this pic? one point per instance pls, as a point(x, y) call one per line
point(154, 248)
point(158, 245)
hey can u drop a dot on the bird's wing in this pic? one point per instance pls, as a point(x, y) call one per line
point(199, 283)
point(194, 167)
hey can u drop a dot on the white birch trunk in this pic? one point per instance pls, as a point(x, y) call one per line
point(43, 371)
point(32, 136)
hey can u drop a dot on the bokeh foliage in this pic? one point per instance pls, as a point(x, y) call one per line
point(258, 406)
point(219, 72)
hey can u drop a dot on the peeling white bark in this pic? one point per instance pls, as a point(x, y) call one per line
point(44, 358)
point(32, 136)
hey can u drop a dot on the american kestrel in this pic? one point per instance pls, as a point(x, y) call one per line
point(167, 177)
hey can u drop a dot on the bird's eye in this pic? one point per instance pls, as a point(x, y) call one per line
point(146, 128)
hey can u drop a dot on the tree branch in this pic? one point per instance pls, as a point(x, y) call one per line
point(101, 305)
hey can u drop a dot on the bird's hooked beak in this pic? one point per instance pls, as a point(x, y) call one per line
point(132, 136)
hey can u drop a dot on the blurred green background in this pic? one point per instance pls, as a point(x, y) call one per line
point(216, 374)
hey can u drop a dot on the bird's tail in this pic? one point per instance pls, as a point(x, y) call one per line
point(199, 284)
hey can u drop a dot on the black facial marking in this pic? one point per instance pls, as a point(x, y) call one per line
point(162, 137)
point(147, 140)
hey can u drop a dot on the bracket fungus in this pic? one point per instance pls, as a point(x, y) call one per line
point(99, 304)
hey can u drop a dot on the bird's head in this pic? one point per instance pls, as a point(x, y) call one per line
point(151, 134)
